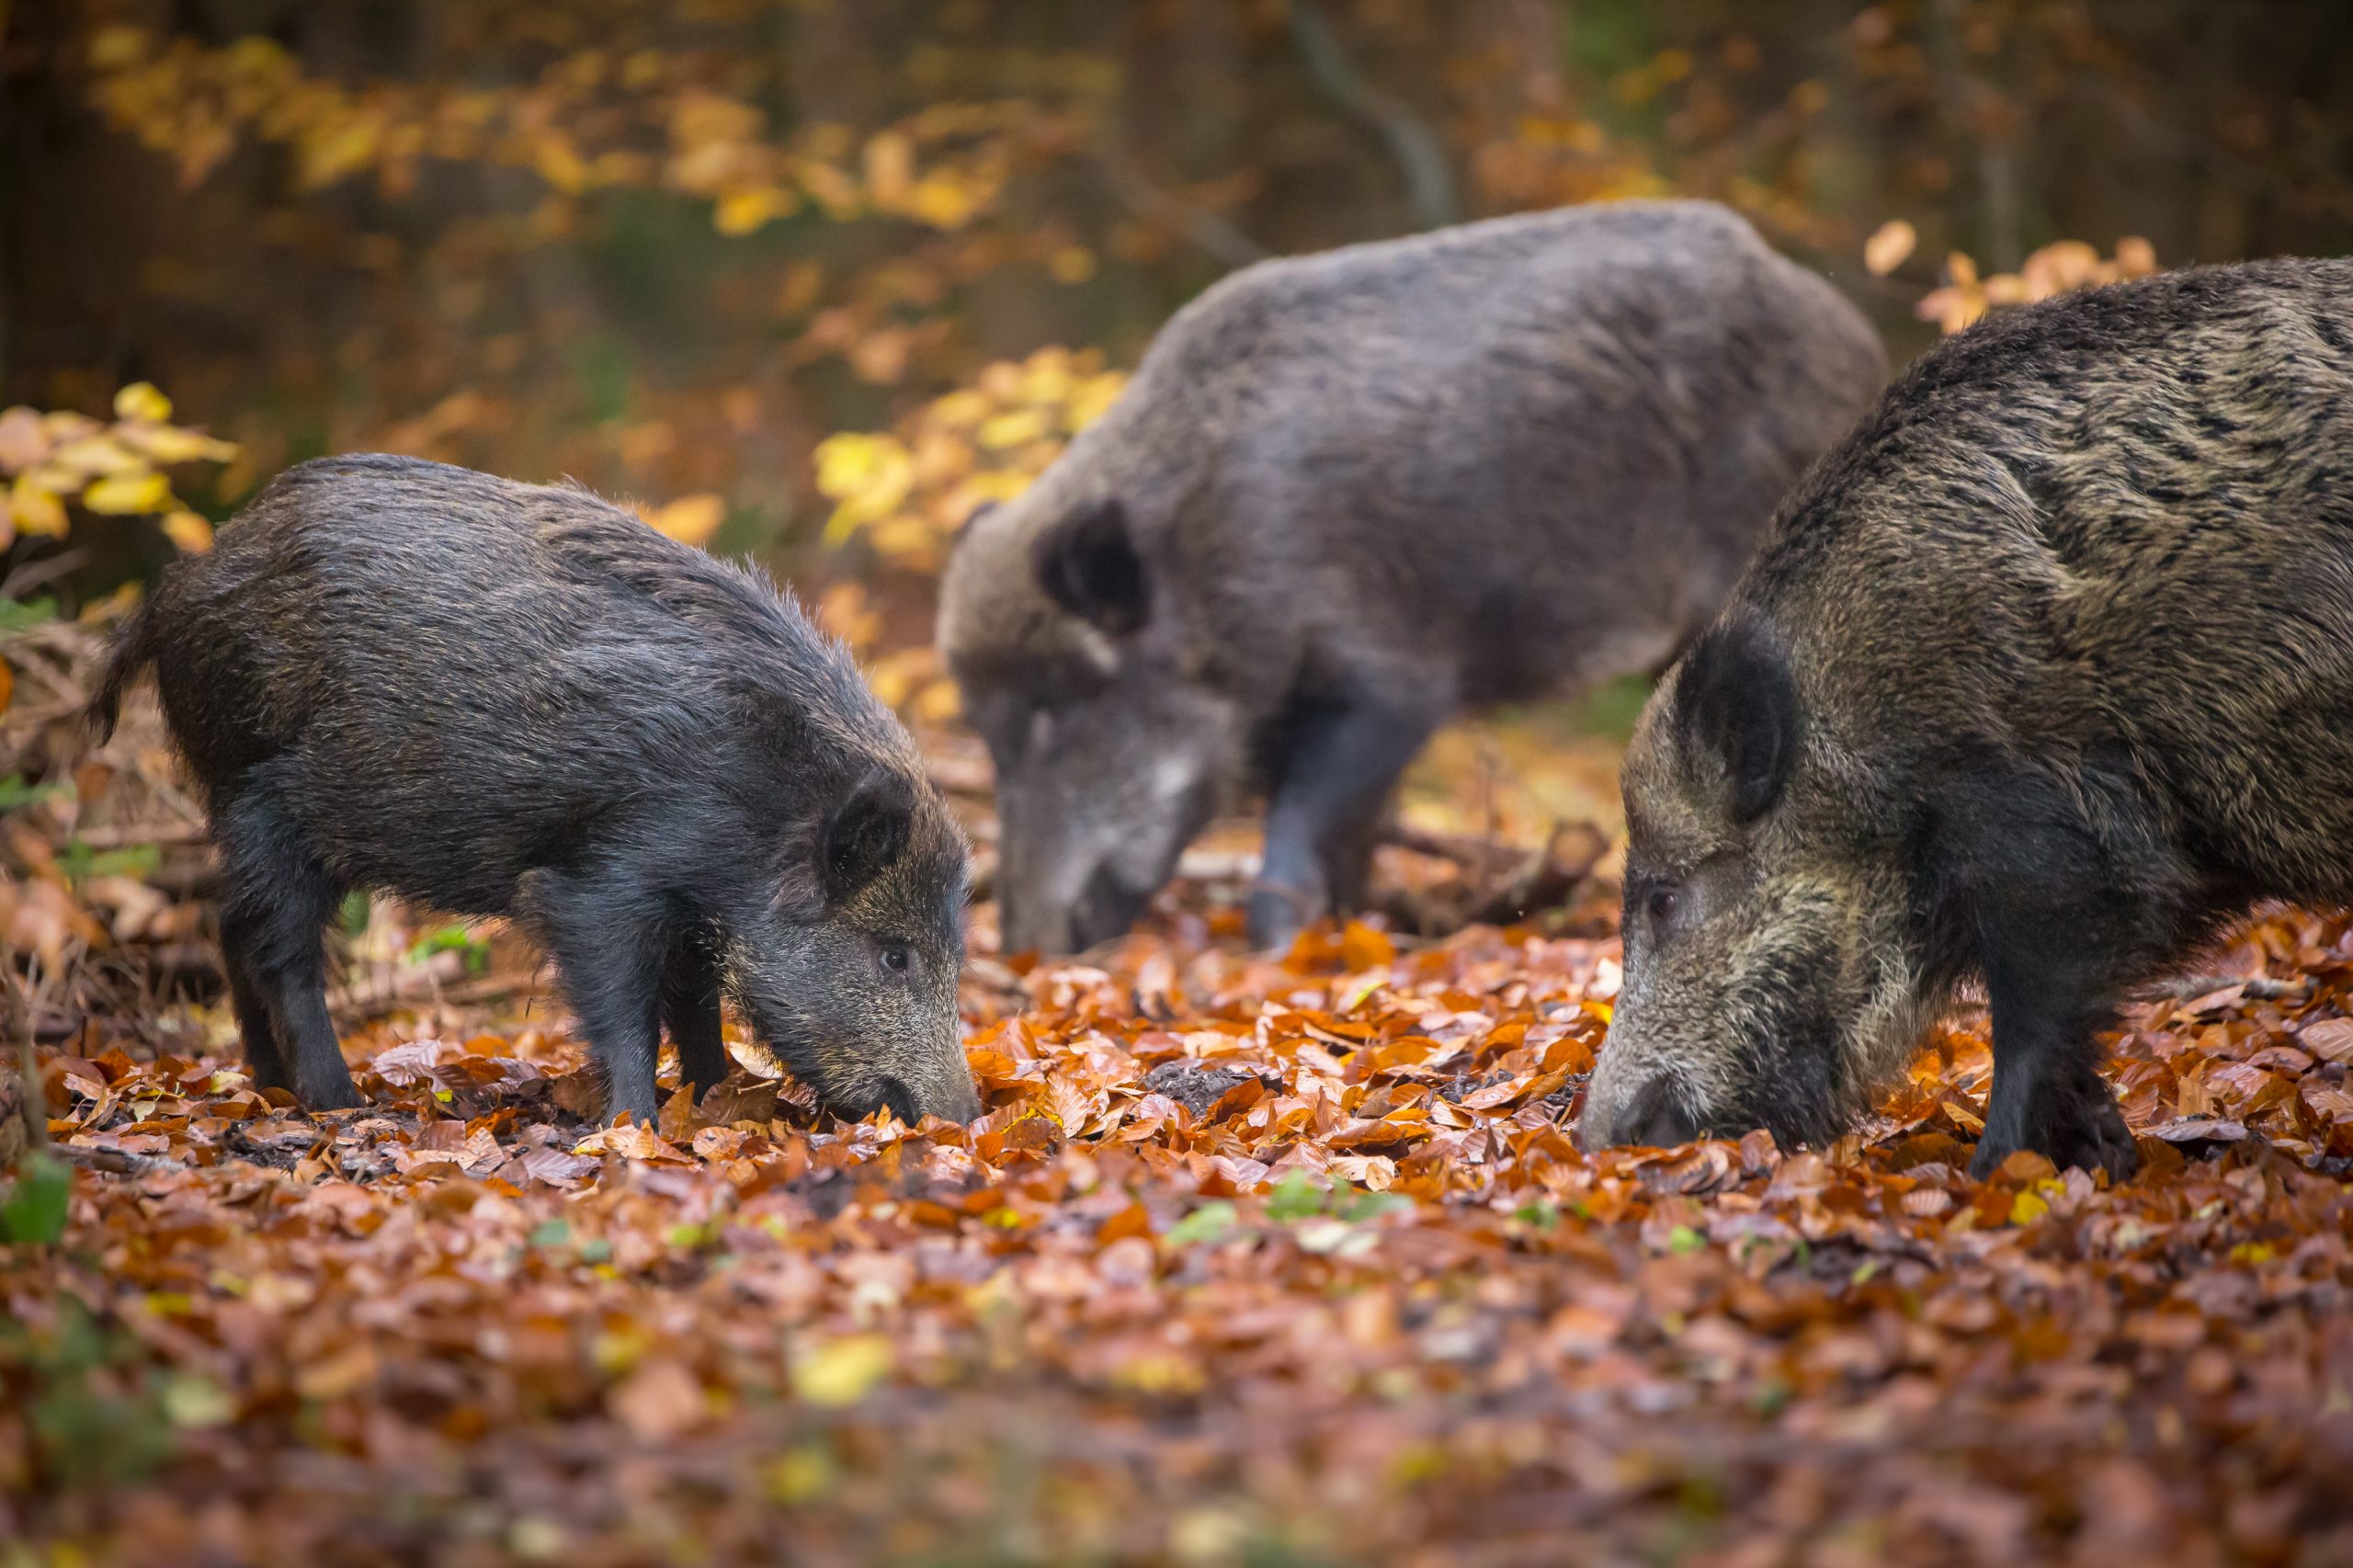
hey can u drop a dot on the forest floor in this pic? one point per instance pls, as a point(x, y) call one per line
point(1253, 1259)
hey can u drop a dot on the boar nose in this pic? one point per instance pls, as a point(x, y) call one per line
point(1655, 1117)
point(960, 1102)
point(1107, 908)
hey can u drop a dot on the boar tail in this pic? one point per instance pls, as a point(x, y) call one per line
point(133, 649)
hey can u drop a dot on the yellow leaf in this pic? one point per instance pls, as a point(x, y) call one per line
point(2028, 1207)
point(189, 531)
point(947, 203)
point(889, 168)
point(95, 455)
point(797, 1474)
point(34, 510)
point(124, 495)
point(117, 48)
point(841, 1372)
point(165, 444)
point(141, 400)
point(1886, 249)
point(748, 212)
point(332, 151)
point(1092, 398)
point(691, 520)
point(558, 163)
point(939, 703)
point(1016, 428)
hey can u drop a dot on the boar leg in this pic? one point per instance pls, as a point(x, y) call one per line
point(608, 949)
point(276, 902)
point(1338, 765)
point(2050, 962)
point(690, 1011)
point(2047, 1095)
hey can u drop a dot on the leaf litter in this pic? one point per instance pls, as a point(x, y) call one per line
point(1249, 1259)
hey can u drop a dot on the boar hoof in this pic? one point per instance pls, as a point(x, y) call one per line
point(2089, 1133)
point(2100, 1143)
point(1277, 914)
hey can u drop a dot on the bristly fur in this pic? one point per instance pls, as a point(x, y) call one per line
point(503, 698)
point(1349, 495)
point(2069, 620)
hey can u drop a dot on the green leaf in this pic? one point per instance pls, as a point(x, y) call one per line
point(1206, 1223)
point(451, 938)
point(80, 861)
point(1296, 1197)
point(551, 1233)
point(15, 794)
point(23, 615)
point(195, 1403)
point(1683, 1241)
point(35, 1212)
point(1373, 1205)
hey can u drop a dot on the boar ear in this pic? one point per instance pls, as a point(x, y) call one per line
point(864, 835)
point(1734, 703)
point(964, 530)
point(1087, 563)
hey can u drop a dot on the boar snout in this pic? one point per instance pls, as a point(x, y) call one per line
point(949, 1095)
point(1652, 1114)
point(1106, 907)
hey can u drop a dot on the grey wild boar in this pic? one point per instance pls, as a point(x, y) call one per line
point(1349, 495)
point(510, 700)
point(2042, 675)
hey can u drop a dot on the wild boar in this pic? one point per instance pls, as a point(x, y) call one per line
point(1349, 495)
point(512, 699)
point(2043, 674)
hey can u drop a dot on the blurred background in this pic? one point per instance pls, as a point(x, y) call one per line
point(808, 278)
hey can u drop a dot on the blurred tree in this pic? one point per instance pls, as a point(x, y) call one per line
point(669, 248)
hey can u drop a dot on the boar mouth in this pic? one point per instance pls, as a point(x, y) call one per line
point(1107, 908)
point(1657, 1117)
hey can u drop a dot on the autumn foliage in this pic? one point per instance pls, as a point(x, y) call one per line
point(1254, 1258)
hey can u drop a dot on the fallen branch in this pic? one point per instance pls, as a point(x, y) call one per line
point(420, 984)
point(117, 1162)
point(1475, 851)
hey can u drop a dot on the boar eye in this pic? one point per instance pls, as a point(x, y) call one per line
point(896, 958)
point(1661, 903)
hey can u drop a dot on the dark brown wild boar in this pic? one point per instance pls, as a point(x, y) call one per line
point(1349, 495)
point(501, 699)
point(2043, 674)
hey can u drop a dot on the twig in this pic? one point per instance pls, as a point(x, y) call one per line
point(1471, 850)
point(120, 1162)
point(1429, 183)
point(36, 1100)
point(1206, 230)
point(158, 834)
point(418, 985)
point(33, 574)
